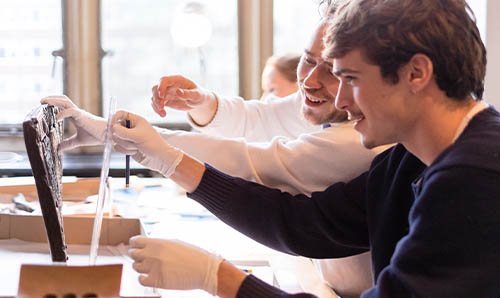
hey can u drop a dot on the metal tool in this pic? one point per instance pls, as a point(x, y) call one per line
point(20, 203)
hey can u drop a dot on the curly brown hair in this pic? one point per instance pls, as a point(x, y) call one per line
point(390, 32)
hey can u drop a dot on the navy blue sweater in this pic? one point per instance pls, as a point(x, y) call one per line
point(437, 237)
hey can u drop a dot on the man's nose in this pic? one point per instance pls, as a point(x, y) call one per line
point(312, 80)
point(343, 99)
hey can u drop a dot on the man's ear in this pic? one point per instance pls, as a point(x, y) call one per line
point(420, 71)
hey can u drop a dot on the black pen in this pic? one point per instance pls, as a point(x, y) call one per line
point(127, 162)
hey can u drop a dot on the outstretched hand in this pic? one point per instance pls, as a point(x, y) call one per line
point(180, 93)
point(90, 129)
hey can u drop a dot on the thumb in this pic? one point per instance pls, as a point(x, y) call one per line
point(122, 115)
point(138, 241)
point(123, 133)
point(148, 281)
point(69, 143)
point(68, 113)
point(189, 95)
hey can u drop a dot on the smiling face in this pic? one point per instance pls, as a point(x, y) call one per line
point(314, 76)
point(379, 108)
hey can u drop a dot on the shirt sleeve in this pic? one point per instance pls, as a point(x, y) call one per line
point(309, 163)
point(330, 224)
point(452, 249)
point(253, 287)
point(258, 121)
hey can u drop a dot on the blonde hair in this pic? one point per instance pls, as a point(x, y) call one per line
point(286, 65)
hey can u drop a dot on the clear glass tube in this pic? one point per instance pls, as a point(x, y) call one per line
point(103, 194)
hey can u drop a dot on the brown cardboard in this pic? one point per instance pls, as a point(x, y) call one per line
point(72, 191)
point(78, 230)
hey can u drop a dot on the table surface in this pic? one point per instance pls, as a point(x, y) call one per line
point(167, 213)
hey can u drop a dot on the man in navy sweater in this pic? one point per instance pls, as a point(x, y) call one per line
point(411, 72)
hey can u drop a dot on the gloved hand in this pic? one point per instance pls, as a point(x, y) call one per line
point(173, 264)
point(90, 129)
point(144, 144)
point(179, 93)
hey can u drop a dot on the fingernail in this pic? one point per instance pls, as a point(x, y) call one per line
point(179, 91)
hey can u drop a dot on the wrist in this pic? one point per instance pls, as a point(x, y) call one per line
point(204, 114)
point(189, 173)
point(229, 280)
point(211, 277)
point(170, 157)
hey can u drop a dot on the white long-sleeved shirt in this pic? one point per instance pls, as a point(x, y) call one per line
point(306, 164)
point(270, 143)
point(258, 121)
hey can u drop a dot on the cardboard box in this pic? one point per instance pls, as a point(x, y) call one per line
point(78, 232)
point(77, 229)
point(29, 230)
point(77, 190)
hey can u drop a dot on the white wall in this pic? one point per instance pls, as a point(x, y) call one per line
point(492, 88)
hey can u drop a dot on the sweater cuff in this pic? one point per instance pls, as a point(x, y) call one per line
point(214, 122)
point(252, 287)
point(213, 187)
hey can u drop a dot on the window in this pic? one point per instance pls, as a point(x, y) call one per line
point(140, 50)
point(139, 36)
point(30, 30)
point(294, 22)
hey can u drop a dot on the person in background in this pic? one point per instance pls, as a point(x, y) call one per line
point(279, 77)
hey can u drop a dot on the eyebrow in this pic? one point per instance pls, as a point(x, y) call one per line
point(341, 71)
point(309, 53)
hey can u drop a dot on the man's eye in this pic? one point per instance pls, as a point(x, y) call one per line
point(349, 79)
point(309, 61)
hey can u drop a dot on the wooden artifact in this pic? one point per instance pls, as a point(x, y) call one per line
point(42, 135)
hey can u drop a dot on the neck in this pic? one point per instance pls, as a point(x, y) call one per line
point(437, 127)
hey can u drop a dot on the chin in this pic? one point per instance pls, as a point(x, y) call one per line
point(368, 143)
point(309, 115)
point(371, 143)
point(312, 118)
point(334, 116)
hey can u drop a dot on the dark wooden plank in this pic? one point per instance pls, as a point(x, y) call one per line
point(42, 135)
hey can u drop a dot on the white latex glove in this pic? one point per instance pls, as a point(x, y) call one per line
point(173, 264)
point(144, 144)
point(90, 129)
point(180, 93)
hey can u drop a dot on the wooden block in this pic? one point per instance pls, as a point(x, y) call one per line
point(42, 135)
point(64, 281)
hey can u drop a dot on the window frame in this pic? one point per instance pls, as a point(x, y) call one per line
point(255, 36)
point(82, 55)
